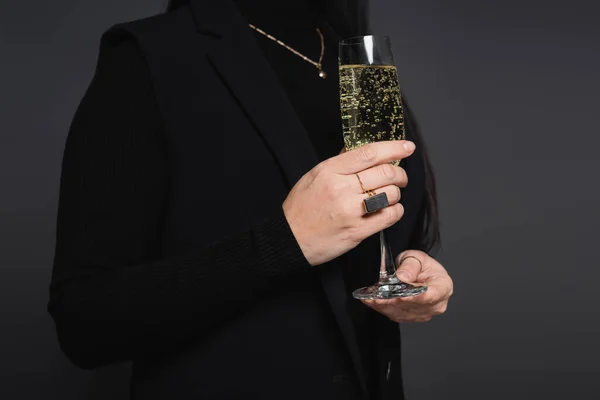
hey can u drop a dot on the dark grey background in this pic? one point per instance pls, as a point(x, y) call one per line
point(506, 95)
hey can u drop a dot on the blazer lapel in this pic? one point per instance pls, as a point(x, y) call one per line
point(240, 62)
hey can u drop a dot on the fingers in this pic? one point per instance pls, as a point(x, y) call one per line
point(392, 192)
point(402, 312)
point(370, 155)
point(382, 175)
point(443, 284)
point(438, 290)
point(409, 269)
point(384, 218)
point(430, 297)
point(428, 303)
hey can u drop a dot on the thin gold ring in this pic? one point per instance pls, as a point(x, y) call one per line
point(402, 260)
point(361, 184)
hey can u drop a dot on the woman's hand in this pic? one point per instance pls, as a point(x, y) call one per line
point(325, 208)
point(423, 307)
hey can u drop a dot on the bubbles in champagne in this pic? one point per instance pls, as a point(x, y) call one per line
point(371, 105)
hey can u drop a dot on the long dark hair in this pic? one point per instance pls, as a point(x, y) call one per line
point(351, 18)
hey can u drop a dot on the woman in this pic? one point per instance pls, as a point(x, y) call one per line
point(210, 231)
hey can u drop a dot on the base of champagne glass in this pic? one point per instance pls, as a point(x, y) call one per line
point(388, 288)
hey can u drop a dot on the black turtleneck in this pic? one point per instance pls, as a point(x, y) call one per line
point(315, 100)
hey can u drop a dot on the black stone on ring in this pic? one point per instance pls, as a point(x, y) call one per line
point(376, 203)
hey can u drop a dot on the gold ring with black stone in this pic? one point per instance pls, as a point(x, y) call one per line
point(374, 202)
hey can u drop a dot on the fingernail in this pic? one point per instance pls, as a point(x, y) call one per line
point(409, 146)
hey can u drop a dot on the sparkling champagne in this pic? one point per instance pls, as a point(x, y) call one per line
point(371, 105)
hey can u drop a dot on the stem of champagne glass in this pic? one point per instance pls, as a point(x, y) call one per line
point(387, 272)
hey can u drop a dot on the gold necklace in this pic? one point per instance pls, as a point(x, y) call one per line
point(318, 64)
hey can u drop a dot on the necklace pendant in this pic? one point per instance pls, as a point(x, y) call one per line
point(322, 74)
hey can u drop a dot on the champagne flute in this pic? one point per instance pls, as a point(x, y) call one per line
point(371, 109)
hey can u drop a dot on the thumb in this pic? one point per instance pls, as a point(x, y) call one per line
point(409, 268)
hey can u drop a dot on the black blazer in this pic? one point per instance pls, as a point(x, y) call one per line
point(233, 148)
